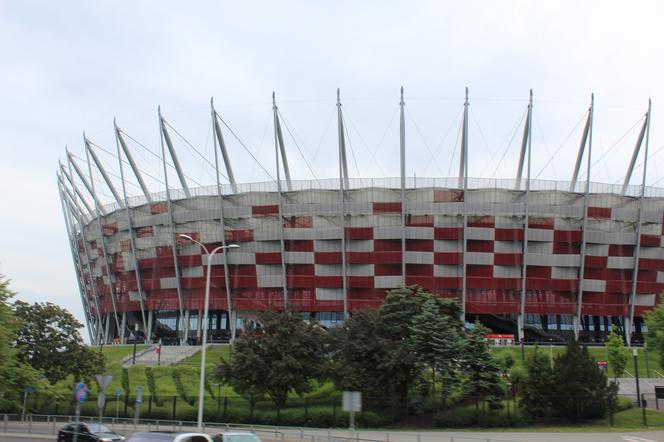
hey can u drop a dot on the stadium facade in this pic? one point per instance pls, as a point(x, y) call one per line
point(539, 259)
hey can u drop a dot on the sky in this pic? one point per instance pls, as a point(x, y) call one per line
point(69, 67)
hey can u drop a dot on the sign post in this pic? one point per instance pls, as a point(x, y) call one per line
point(118, 393)
point(659, 394)
point(351, 401)
point(81, 394)
point(103, 381)
point(26, 391)
point(137, 406)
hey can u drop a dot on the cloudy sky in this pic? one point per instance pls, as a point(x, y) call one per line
point(72, 66)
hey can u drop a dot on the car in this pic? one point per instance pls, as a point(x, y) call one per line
point(168, 436)
point(236, 436)
point(89, 432)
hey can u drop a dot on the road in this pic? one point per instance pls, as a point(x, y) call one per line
point(43, 432)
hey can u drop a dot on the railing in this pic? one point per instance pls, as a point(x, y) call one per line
point(48, 425)
point(394, 183)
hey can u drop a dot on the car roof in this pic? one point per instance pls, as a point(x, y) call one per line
point(237, 432)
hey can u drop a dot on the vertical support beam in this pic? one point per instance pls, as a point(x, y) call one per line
point(98, 205)
point(635, 153)
point(171, 221)
point(76, 189)
point(524, 144)
point(402, 162)
point(102, 170)
point(76, 261)
point(219, 138)
point(165, 137)
point(282, 146)
point(343, 185)
point(464, 174)
point(582, 146)
point(123, 329)
point(527, 142)
point(130, 227)
point(150, 321)
point(637, 251)
point(132, 163)
point(76, 212)
point(278, 141)
point(587, 135)
point(222, 225)
point(109, 273)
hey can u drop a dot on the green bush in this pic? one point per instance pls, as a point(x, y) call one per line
point(624, 403)
point(464, 417)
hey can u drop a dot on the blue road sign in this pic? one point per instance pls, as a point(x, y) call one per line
point(139, 395)
point(118, 392)
point(29, 389)
point(81, 392)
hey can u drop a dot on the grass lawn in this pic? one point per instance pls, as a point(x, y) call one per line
point(599, 353)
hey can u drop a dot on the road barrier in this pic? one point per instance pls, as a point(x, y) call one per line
point(48, 425)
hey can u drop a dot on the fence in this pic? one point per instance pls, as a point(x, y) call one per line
point(49, 425)
point(316, 411)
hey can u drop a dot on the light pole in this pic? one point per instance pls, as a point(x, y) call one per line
point(209, 254)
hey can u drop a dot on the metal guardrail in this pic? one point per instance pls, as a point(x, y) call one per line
point(48, 425)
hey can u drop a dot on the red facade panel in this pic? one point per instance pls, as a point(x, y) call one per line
point(379, 208)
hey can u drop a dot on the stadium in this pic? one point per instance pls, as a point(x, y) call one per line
point(543, 260)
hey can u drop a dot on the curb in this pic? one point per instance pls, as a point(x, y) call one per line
point(27, 436)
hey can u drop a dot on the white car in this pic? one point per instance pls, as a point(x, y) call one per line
point(236, 436)
point(168, 436)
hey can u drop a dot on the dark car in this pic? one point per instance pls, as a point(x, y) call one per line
point(168, 436)
point(89, 432)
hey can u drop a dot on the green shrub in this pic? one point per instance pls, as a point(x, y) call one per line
point(179, 386)
point(464, 417)
point(624, 403)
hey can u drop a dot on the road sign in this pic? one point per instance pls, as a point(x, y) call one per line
point(81, 392)
point(603, 365)
point(351, 401)
point(29, 389)
point(101, 400)
point(118, 392)
point(103, 381)
point(139, 395)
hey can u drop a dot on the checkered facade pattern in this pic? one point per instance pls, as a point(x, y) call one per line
point(313, 224)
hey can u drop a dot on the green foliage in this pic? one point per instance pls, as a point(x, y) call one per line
point(580, 390)
point(481, 372)
point(437, 339)
point(281, 354)
point(15, 375)
point(48, 339)
point(536, 386)
point(617, 353)
point(364, 359)
point(125, 381)
point(464, 417)
point(655, 322)
point(152, 385)
point(176, 374)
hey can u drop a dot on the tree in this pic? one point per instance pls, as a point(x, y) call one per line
point(580, 390)
point(482, 374)
point(437, 339)
point(655, 322)
point(47, 338)
point(14, 374)
point(364, 358)
point(617, 354)
point(535, 387)
point(283, 353)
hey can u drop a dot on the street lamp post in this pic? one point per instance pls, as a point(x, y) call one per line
point(209, 255)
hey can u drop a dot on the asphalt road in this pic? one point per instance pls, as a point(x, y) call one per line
point(42, 432)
